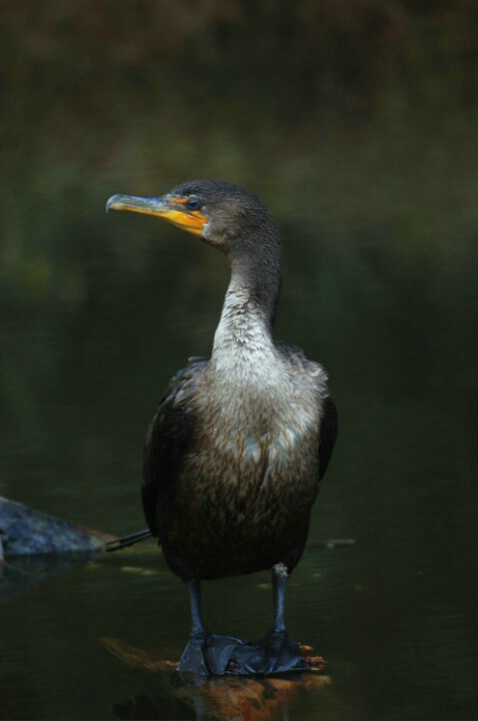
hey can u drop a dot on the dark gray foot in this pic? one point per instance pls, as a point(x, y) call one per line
point(218, 655)
point(274, 654)
point(193, 658)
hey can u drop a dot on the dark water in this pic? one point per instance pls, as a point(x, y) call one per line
point(394, 614)
point(380, 229)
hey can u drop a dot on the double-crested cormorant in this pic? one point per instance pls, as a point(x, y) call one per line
point(235, 453)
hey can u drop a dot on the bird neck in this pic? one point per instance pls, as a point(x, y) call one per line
point(249, 310)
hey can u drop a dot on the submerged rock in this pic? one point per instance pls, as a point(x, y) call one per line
point(24, 531)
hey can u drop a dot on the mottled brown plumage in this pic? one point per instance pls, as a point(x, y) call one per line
point(234, 455)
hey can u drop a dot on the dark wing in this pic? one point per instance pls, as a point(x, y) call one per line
point(327, 434)
point(167, 441)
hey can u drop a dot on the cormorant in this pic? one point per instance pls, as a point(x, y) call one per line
point(235, 453)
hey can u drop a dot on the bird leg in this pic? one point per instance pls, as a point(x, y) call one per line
point(279, 581)
point(282, 654)
point(198, 630)
point(209, 654)
point(193, 658)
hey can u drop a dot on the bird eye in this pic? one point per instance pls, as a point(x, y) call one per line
point(193, 204)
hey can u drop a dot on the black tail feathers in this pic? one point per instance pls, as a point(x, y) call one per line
point(119, 543)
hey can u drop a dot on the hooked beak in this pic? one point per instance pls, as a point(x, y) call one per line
point(170, 208)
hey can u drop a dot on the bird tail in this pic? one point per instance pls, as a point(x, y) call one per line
point(125, 541)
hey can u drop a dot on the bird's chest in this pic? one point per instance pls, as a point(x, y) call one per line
point(256, 440)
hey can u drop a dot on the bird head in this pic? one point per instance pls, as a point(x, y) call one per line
point(220, 213)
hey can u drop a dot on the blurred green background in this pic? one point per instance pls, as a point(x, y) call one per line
point(357, 123)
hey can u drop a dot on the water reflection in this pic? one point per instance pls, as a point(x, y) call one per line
point(21, 573)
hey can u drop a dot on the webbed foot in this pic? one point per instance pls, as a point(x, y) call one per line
point(274, 654)
point(193, 658)
point(218, 655)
